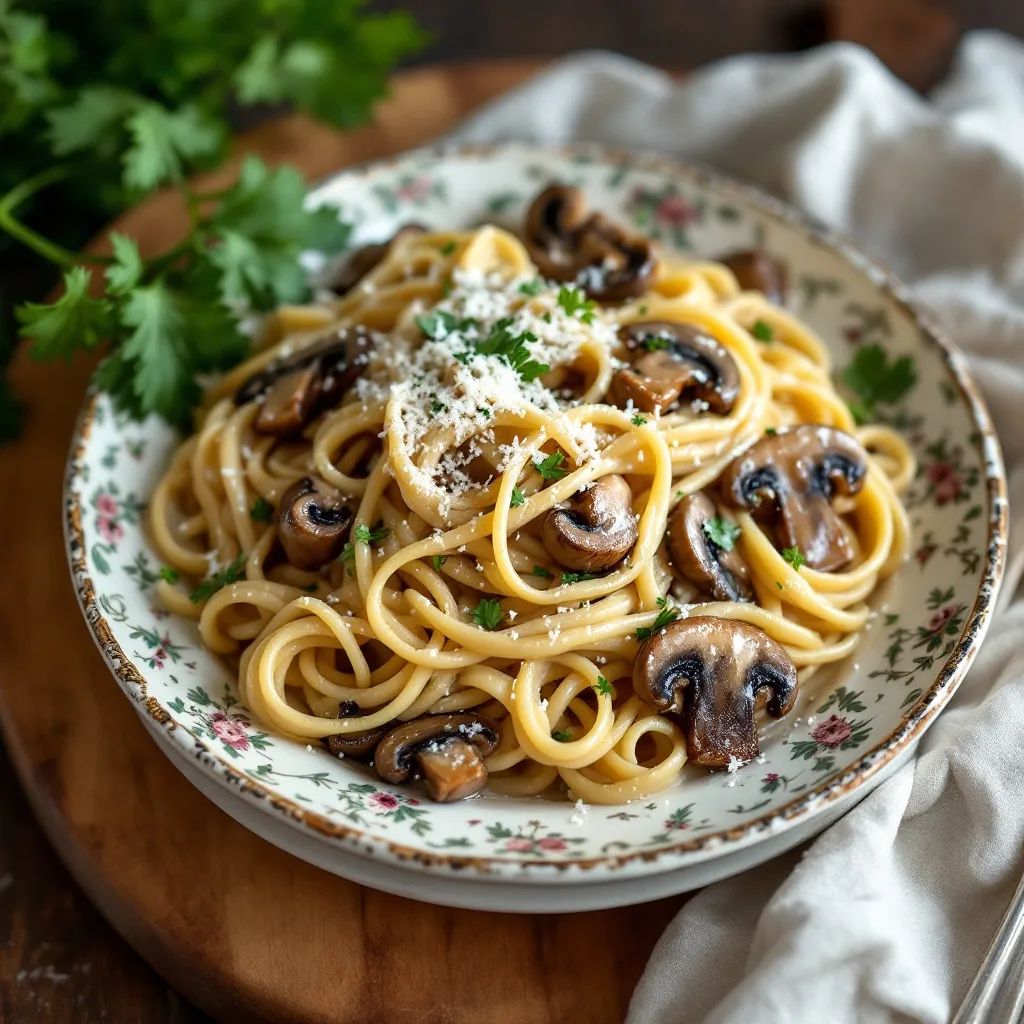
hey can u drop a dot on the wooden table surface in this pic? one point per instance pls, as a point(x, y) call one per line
point(59, 960)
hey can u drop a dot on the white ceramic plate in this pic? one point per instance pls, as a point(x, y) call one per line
point(852, 723)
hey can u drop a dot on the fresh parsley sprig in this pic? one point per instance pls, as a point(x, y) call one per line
point(666, 614)
point(874, 379)
point(218, 580)
point(488, 614)
point(550, 467)
point(721, 532)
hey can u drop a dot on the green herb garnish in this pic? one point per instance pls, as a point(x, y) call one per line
point(261, 510)
point(795, 557)
point(546, 574)
point(222, 578)
point(488, 614)
point(656, 342)
point(873, 378)
point(502, 342)
point(534, 287)
point(762, 331)
point(574, 302)
point(370, 535)
point(638, 420)
point(666, 614)
point(438, 324)
point(721, 532)
point(550, 467)
point(169, 574)
point(562, 735)
point(437, 561)
point(603, 687)
point(448, 248)
point(517, 499)
point(576, 577)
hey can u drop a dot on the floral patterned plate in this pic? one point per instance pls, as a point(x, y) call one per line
point(853, 723)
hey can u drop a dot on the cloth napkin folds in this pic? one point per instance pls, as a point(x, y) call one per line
point(887, 915)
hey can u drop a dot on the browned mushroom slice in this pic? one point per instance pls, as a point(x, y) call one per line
point(598, 529)
point(567, 245)
point(365, 259)
point(447, 751)
point(674, 361)
point(294, 389)
point(552, 221)
point(791, 476)
point(757, 270)
point(718, 569)
point(714, 671)
point(357, 745)
point(312, 523)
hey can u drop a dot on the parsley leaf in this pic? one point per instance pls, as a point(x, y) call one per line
point(348, 556)
point(562, 735)
point(762, 331)
point(721, 532)
point(545, 574)
point(234, 572)
point(656, 342)
point(574, 302)
point(501, 341)
point(88, 120)
point(126, 270)
point(488, 614)
point(370, 535)
point(438, 324)
point(75, 320)
point(437, 561)
point(603, 687)
point(169, 574)
point(517, 499)
point(534, 287)
point(577, 577)
point(165, 141)
point(666, 614)
point(550, 468)
point(638, 420)
point(448, 248)
point(261, 510)
point(873, 378)
point(795, 557)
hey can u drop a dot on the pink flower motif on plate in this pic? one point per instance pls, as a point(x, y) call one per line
point(945, 482)
point(230, 730)
point(771, 777)
point(106, 506)
point(415, 190)
point(833, 731)
point(551, 843)
point(519, 845)
point(110, 530)
point(383, 801)
point(674, 210)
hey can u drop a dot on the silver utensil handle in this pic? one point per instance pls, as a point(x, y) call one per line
point(996, 995)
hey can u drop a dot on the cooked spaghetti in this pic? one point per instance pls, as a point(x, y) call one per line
point(463, 489)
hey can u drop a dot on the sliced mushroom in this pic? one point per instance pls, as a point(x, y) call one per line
point(293, 390)
point(673, 362)
point(714, 671)
point(357, 745)
point(598, 529)
point(312, 523)
point(791, 476)
point(568, 245)
point(757, 270)
point(365, 259)
point(719, 572)
point(447, 751)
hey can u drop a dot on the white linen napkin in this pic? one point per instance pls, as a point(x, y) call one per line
point(887, 915)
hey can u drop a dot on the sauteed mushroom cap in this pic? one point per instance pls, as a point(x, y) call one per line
point(791, 477)
point(713, 672)
point(674, 362)
point(312, 523)
point(758, 270)
point(597, 530)
point(366, 258)
point(718, 569)
point(446, 750)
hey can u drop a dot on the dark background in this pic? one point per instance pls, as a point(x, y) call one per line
point(44, 919)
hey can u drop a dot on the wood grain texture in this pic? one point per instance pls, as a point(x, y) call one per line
point(241, 928)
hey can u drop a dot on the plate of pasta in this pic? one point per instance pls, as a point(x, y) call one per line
point(599, 521)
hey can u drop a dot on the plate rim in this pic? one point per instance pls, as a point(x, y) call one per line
point(856, 776)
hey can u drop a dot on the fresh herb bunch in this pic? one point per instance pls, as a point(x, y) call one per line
point(105, 100)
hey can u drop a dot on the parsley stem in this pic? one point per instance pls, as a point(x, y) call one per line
point(50, 251)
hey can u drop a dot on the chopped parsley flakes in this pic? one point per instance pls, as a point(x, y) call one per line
point(517, 499)
point(574, 302)
point(638, 420)
point(656, 342)
point(501, 342)
point(488, 614)
point(437, 561)
point(218, 580)
point(721, 532)
point(169, 574)
point(544, 574)
point(603, 687)
point(762, 331)
point(666, 614)
point(534, 287)
point(261, 510)
point(370, 534)
point(561, 735)
point(576, 577)
point(550, 468)
point(448, 248)
point(795, 557)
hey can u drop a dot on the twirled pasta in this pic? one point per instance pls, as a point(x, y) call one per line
point(390, 627)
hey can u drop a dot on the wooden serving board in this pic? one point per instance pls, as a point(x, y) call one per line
point(240, 927)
